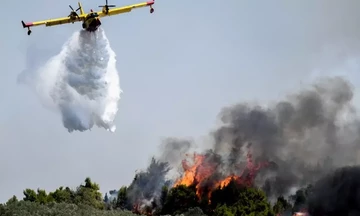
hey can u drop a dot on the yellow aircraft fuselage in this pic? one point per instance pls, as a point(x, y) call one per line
point(91, 21)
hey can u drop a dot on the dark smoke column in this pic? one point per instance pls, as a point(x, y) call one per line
point(337, 194)
point(302, 137)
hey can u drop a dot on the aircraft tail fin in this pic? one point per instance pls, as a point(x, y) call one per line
point(26, 25)
point(81, 8)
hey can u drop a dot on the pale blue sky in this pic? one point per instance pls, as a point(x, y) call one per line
point(178, 67)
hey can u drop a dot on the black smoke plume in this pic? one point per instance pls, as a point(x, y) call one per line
point(146, 187)
point(301, 138)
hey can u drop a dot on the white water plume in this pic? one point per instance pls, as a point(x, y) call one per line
point(82, 82)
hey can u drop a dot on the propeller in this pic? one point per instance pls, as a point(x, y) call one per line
point(107, 6)
point(73, 12)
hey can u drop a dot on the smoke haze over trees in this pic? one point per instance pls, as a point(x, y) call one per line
point(260, 160)
point(291, 143)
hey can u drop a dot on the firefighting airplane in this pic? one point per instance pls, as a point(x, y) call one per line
point(91, 21)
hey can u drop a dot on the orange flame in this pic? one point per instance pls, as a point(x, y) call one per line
point(201, 170)
point(196, 173)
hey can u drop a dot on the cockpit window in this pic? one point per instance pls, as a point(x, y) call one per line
point(92, 15)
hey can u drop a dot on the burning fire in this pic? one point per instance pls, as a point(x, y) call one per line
point(302, 212)
point(200, 172)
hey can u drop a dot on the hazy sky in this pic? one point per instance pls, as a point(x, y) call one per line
point(178, 67)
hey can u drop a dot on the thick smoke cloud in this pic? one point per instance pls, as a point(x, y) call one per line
point(146, 187)
point(300, 139)
point(174, 149)
point(296, 135)
point(337, 193)
point(81, 82)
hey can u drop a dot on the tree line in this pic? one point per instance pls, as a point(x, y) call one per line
point(86, 199)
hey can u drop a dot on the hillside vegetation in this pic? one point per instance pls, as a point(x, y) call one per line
point(234, 199)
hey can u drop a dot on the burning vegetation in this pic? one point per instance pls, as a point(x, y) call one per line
point(275, 150)
point(203, 173)
point(254, 162)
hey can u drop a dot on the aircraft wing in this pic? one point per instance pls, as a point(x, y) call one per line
point(125, 9)
point(52, 22)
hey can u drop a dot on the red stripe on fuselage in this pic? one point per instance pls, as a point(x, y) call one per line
point(29, 24)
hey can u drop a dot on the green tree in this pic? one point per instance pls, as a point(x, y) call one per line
point(27, 208)
point(42, 197)
point(89, 194)
point(223, 210)
point(253, 202)
point(2, 209)
point(164, 195)
point(194, 212)
point(61, 195)
point(12, 200)
point(300, 197)
point(106, 198)
point(160, 201)
point(281, 205)
point(239, 200)
point(122, 199)
point(112, 202)
point(227, 195)
point(29, 195)
point(180, 199)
